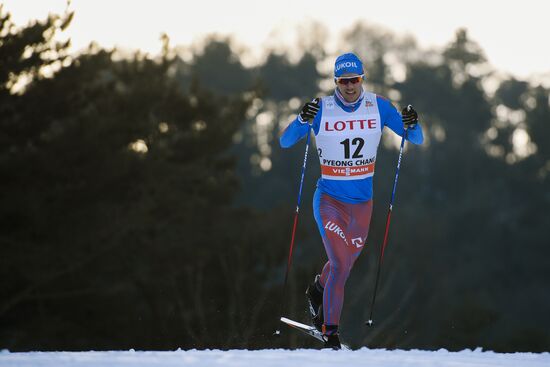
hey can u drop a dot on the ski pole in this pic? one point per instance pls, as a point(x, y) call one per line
point(388, 219)
point(289, 261)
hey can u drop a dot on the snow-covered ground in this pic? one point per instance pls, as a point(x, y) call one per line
point(276, 357)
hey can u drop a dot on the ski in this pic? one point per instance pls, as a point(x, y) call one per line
point(308, 329)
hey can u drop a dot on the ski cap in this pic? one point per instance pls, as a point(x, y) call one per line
point(347, 63)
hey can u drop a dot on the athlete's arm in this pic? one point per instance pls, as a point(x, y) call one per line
point(298, 128)
point(392, 119)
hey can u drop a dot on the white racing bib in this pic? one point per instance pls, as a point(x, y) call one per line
point(347, 142)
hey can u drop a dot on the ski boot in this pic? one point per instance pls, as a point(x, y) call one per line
point(331, 338)
point(314, 293)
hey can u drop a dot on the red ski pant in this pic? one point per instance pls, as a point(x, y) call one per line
point(344, 228)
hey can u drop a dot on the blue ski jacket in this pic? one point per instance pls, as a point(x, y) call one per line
point(359, 190)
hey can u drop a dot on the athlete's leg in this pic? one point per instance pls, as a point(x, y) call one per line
point(343, 237)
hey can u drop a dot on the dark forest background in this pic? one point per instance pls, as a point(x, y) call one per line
point(145, 202)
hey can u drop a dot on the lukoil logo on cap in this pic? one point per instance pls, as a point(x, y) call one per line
point(346, 64)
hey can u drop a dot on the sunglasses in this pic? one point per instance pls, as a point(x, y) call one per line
point(352, 79)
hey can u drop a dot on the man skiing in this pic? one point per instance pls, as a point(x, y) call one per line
point(347, 126)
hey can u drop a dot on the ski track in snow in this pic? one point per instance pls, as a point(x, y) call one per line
point(276, 357)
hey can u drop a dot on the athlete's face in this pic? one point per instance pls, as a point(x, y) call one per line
point(350, 86)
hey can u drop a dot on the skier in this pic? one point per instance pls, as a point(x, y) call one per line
point(347, 126)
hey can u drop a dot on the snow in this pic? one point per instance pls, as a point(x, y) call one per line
point(276, 357)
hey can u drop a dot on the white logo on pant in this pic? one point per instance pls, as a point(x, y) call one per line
point(333, 227)
point(357, 242)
